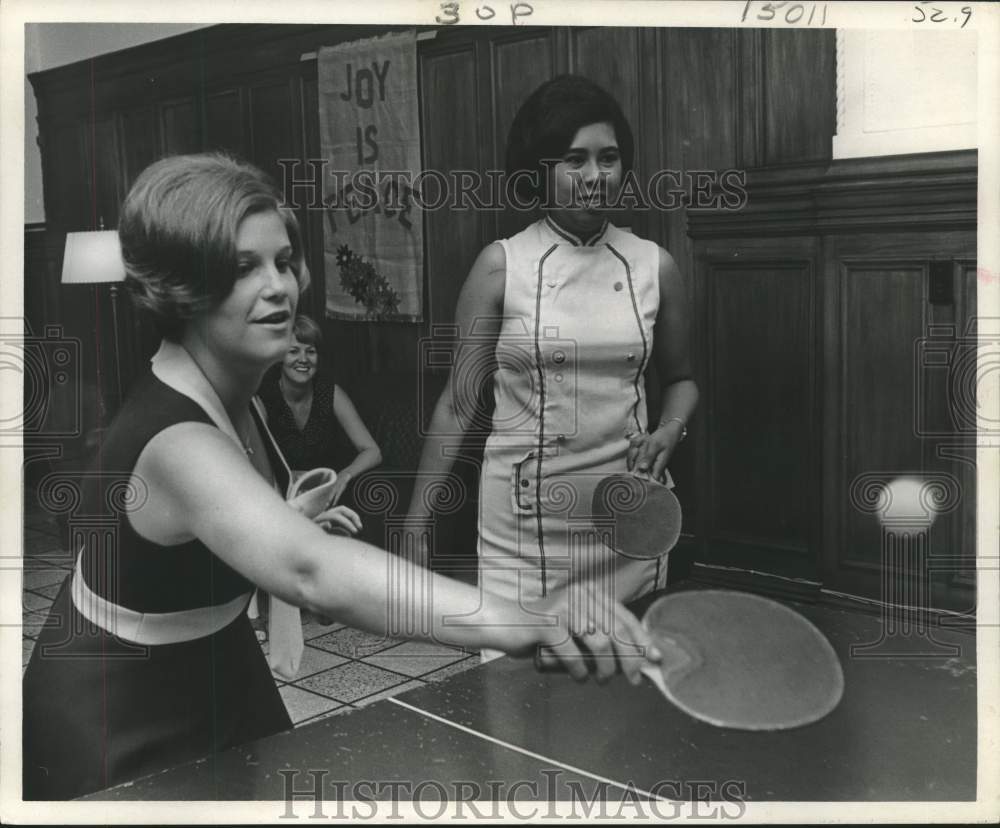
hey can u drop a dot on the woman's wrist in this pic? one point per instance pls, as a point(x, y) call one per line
point(676, 424)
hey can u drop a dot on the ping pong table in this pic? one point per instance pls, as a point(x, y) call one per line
point(905, 730)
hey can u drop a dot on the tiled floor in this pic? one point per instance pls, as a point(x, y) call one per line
point(342, 668)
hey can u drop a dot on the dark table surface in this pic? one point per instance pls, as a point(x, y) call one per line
point(905, 730)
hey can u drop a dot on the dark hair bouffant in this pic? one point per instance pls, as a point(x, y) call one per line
point(547, 121)
point(178, 234)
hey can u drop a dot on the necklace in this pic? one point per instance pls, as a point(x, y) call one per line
point(246, 442)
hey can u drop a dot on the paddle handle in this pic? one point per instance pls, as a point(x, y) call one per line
point(546, 662)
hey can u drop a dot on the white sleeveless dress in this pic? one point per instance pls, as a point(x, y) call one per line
point(575, 340)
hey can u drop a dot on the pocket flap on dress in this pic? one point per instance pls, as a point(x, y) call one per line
point(524, 479)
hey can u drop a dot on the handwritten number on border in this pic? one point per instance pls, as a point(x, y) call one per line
point(451, 12)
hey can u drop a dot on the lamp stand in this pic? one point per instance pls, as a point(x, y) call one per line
point(118, 356)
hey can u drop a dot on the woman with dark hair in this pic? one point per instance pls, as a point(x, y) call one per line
point(314, 420)
point(568, 314)
point(148, 659)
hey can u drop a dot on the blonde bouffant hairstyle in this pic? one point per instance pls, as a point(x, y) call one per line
point(178, 234)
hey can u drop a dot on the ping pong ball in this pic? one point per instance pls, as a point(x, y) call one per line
point(902, 501)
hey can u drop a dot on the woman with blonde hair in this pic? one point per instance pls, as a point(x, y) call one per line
point(148, 659)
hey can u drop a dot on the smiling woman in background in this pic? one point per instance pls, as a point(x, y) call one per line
point(147, 658)
point(313, 420)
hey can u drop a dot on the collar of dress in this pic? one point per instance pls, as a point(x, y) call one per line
point(577, 241)
point(174, 366)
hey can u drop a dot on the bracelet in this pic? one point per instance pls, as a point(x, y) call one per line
point(684, 430)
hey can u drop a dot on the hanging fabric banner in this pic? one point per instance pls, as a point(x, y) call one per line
point(370, 141)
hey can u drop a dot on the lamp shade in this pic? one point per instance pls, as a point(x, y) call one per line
point(93, 257)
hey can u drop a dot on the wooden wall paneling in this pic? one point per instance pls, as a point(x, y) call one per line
point(66, 185)
point(42, 258)
point(224, 121)
point(749, 76)
point(562, 50)
point(831, 392)
point(313, 226)
point(650, 129)
point(107, 186)
point(692, 128)
point(103, 199)
point(49, 400)
point(610, 57)
point(491, 150)
point(883, 317)
point(699, 123)
point(798, 95)
point(962, 402)
point(452, 235)
point(519, 64)
point(946, 395)
point(140, 141)
point(179, 127)
point(759, 410)
point(891, 404)
point(67, 193)
point(788, 96)
point(273, 115)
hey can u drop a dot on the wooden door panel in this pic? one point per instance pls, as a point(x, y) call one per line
point(610, 57)
point(882, 320)
point(181, 133)
point(312, 219)
point(905, 406)
point(224, 122)
point(452, 235)
point(66, 180)
point(517, 67)
point(798, 95)
point(140, 140)
point(759, 402)
point(272, 117)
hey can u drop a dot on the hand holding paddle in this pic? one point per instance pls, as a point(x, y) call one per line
point(648, 454)
point(592, 634)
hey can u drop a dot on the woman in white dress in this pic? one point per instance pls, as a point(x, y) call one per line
point(565, 316)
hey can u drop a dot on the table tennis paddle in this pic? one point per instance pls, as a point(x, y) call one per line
point(637, 516)
point(741, 661)
point(738, 660)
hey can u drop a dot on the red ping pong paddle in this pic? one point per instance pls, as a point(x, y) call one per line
point(638, 517)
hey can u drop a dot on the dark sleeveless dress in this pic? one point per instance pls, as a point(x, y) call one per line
point(98, 710)
point(322, 443)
